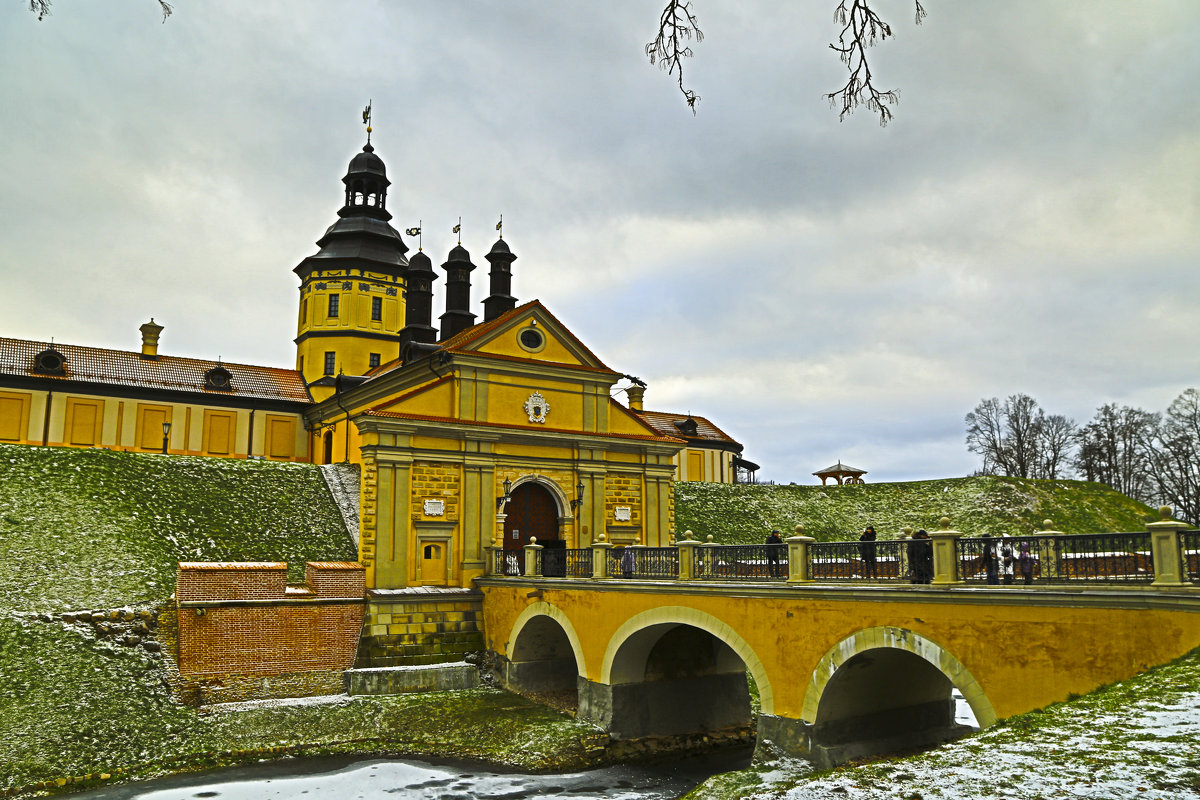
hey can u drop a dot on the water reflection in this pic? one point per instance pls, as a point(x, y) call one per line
point(342, 778)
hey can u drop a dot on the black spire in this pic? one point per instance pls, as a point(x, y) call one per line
point(500, 298)
point(458, 268)
point(418, 299)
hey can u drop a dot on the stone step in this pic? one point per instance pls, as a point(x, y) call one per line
point(425, 678)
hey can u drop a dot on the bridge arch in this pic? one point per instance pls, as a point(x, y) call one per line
point(633, 641)
point(544, 655)
point(884, 690)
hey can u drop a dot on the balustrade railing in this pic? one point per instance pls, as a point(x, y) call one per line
point(1087, 558)
point(578, 563)
point(1190, 543)
point(765, 562)
point(660, 563)
point(508, 562)
point(846, 561)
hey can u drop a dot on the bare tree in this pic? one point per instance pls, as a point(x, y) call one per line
point(1057, 435)
point(1113, 449)
point(1174, 454)
point(42, 8)
point(862, 28)
point(1017, 438)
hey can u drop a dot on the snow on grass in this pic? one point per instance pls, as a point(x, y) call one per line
point(1138, 738)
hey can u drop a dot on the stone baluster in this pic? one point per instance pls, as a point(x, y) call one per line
point(531, 551)
point(687, 556)
point(600, 550)
point(945, 555)
point(798, 571)
point(1166, 546)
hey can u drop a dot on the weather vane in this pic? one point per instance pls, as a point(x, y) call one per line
point(457, 229)
point(500, 226)
point(367, 120)
point(417, 232)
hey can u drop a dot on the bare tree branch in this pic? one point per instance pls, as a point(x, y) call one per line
point(862, 28)
point(676, 27)
point(42, 8)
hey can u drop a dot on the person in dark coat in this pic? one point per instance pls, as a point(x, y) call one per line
point(866, 548)
point(920, 557)
point(1025, 563)
point(991, 560)
point(774, 551)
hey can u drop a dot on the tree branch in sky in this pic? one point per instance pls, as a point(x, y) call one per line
point(862, 28)
point(42, 8)
point(676, 27)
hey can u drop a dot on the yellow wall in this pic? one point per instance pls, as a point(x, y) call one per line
point(704, 464)
point(355, 290)
point(127, 423)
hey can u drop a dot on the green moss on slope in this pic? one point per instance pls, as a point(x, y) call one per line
point(746, 513)
point(98, 529)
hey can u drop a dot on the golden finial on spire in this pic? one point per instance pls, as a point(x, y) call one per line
point(367, 120)
point(500, 226)
point(458, 230)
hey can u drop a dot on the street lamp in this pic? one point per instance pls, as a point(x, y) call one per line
point(578, 501)
point(166, 435)
point(504, 498)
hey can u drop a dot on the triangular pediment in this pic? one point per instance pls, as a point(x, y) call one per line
point(528, 332)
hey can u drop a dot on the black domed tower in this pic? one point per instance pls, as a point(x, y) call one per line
point(418, 304)
point(351, 290)
point(458, 316)
point(500, 297)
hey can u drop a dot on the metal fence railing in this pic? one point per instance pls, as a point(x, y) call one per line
point(1079, 558)
point(765, 562)
point(1190, 543)
point(845, 561)
point(578, 563)
point(508, 562)
point(661, 563)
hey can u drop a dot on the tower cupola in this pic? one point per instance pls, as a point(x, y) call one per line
point(366, 186)
point(500, 297)
point(458, 316)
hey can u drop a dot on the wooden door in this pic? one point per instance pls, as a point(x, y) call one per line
point(433, 564)
point(531, 511)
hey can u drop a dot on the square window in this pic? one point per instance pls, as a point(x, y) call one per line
point(377, 308)
point(334, 301)
point(373, 360)
point(330, 361)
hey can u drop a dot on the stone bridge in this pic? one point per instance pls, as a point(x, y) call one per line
point(842, 670)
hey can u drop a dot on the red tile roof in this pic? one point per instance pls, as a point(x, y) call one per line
point(170, 373)
point(664, 423)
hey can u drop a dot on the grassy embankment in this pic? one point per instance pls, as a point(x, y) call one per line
point(96, 530)
point(1013, 506)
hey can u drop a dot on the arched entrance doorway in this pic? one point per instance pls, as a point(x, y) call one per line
point(530, 511)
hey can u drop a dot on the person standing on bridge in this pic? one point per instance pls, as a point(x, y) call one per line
point(991, 560)
point(866, 548)
point(774, 550)
point(920, 557)
point(1025, 562)
point(1007, 561)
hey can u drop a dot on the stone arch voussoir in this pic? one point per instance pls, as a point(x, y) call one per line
point(900, 639)
point(681, 615)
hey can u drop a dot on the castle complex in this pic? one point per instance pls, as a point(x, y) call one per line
point(468, 434)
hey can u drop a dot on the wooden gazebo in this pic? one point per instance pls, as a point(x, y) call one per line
point(841, 473)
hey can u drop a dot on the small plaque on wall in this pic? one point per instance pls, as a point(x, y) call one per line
point(435, 508)
point(622, 513)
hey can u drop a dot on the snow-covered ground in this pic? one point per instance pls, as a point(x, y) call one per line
point(1136, 739)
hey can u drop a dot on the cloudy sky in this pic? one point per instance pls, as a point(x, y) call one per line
point(823, 290)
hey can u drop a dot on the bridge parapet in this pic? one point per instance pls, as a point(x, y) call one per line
point(1166, 555)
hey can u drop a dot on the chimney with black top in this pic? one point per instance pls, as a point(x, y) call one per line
point(458, 316)
point(418, 303)
point(500, 298)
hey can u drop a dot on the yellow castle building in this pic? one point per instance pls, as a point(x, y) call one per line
point(470, 435)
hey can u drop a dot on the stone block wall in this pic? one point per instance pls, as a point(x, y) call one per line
point(432, 480)
point(623, 489)
point(409, 627)
point(242, 642)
